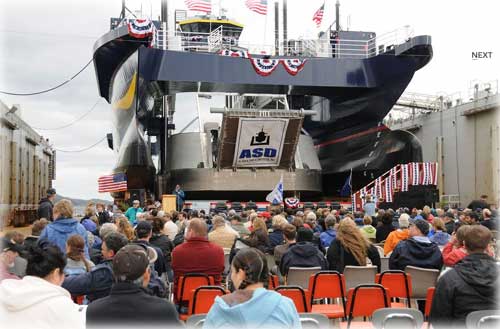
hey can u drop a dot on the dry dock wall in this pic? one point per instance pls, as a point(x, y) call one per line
point(465, 140)
point(27, 167)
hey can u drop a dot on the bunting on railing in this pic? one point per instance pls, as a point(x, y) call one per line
point(434, 173)
point(140, 28)
point(394, 177)
point(426, 176)
point(234, 53)
point(293, 65)
point(405, 177)
point(378, 188)
point(388, 189)
point(264, 66)
point(415, 173)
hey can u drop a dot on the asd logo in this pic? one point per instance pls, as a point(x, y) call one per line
point(258, 153)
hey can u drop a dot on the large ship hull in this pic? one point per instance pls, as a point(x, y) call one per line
point(350, 96)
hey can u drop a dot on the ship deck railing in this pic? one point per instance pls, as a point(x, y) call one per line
point(221, 39)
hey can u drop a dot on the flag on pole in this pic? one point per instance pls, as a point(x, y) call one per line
point(258, 6)
point(276, 195)
point(347, 188)
point(112, 183)
point(318, 15)
point(199, 5)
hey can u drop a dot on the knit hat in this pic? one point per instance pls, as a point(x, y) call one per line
point(422, 226)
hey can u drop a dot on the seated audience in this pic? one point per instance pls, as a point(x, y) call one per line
point(350, 247)
point(128, 305)
point(238, 226)
point(471, 285)
point(144, 233)
point(97, 283)
point(251, 305)
point(417, 251)
point(276, 236)
point(290, 233)
point(75, 253)
point(64, 226)
point(402, 233)
point(384, 227)
point(197, 254)
point(38, 301)
point(36, 230)
point(303, 254)
point(170, 229)
point(161, 241)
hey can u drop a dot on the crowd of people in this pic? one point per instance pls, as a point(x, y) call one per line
point(121, 263)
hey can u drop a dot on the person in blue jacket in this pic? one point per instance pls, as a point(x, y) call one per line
point(330, 234)
point(64, 226)
point(251, 305)
point(180, 197)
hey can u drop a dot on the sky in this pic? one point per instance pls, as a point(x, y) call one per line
point(43, 43)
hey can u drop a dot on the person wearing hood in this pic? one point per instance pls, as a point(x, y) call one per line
point(417, 251)
point(470, 286)
point(251, 305)
point(38, 301)
point(351, 248)
point(46, 204)
point(329, 235)
point(368, 230)
point(402, 233)
point(303, 254)
point(438, 234)
point(64, 226)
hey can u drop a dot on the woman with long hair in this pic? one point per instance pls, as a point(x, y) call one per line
point(76, 263)
point(251, 305)
point(125, 228)
point(350, 247)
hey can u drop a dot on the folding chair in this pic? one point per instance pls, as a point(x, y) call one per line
point(187, 284)
point(422, 279)
point(299, 276)
point(363, 301)
point(397, 318)
point(380, 250)
point(356, 275)
point(273, 282)
point(398, 283)
point(329, 285)
point(384, 264)
point(270, 261)
point(428, 304)
point(196, 321)
point(297, 295)
point(313, 321)
point(487, 319)
point(202, 301)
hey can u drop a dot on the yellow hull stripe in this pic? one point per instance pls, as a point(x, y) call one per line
point(127, 100)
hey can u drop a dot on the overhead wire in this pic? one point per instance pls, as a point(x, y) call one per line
point(73, 122)
point(83, 149)
point(49, 89)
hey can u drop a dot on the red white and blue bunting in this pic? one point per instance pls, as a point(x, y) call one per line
point(404, 177)
point(388, 189)
point(234, 53)
point(291, 202)
point(264, 66)
point(415, 173)
point(293, 66)
point(378, 187)
point(426, 177)
point(394, 177)
point(140, 28)
point(434, 173)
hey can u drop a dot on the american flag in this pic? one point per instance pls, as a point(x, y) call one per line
point(199, 5)
point(318, 15)
point(258, 6)
point(112, 183)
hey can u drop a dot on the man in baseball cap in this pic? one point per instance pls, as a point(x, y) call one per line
point(46, 204)
point(129, 305)
point(10, 250)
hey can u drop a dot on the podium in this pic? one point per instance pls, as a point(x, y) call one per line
point(169, 202)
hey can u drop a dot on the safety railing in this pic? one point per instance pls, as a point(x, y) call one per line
point(325, 47)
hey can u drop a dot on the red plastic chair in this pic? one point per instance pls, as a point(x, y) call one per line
point(187, 284)
point(78, 299)
point(363, 301)
point(398, 283)
point(428, 305)
point(297, 295)
point(274, 282)
point(202, 301)
point(328, 284)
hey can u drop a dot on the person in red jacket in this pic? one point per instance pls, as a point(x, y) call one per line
point(196, 254)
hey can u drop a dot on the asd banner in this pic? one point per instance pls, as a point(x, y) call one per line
point(259, 142)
